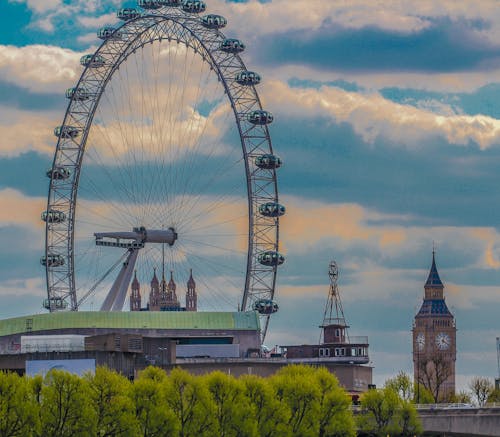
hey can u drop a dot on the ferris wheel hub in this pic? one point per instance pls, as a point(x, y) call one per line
point(137, 238)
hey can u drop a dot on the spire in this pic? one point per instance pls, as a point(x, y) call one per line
point(433, 280)
point(155, 278)
point(135, 282)
point(171, 283)
point(191, 283)
point(191, 296)
point(135, 294)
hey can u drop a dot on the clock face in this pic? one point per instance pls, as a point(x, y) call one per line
point(443, 341)
point(420, 340)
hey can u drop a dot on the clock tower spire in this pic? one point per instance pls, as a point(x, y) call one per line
point(434, 340)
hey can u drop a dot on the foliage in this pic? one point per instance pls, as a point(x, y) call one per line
point(149, 400)
point(297, 401)
point(65, 408)
point(272, 416)
point(494, 396)
point(190, 402)
point(462, 397)
point(402, 384)
point(481, 389)
point(18, 407)
point(294, 388)
point(383, 412)
point(335, 415)
point(422, 395)
point(232, 408)
point(110, 396)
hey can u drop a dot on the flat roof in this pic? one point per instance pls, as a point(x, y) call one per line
point(202, 320)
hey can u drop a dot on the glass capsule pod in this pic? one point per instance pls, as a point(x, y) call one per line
point(272, 209)
point(92, 61)
point(52, 260)
point(77, 94)
point(270, 258)
point(212, 21)
point(127, 14)
point(54, 303)
point(268, 162)
point(265, 306)
point(108, 32)
point(53, 216)
point(66, 131)
point(232, 45)
point(260, 117)
point(171, 3)
point(247, 78)
point(193, 6)
point(148, 4)
point(58, 173)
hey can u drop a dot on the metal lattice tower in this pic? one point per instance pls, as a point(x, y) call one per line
point(334, 312)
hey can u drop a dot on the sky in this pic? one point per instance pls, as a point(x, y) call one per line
point(387, 118)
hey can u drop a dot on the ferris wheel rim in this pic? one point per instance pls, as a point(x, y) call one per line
point(146, 21)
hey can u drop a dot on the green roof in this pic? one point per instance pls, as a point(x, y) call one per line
point(132, 320)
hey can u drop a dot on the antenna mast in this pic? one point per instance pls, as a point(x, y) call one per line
point(334, 312)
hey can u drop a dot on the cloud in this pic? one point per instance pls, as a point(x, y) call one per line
point(373, 116)
point(20, 210)
point(40, 68)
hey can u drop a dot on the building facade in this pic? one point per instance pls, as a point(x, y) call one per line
point(434, 340)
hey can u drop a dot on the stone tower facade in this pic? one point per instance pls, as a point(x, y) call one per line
point(434, 340)
point(191, 297)
point(135, 295)
point(154, 295)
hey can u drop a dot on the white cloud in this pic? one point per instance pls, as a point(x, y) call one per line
point(40, 68)
point(373, 116)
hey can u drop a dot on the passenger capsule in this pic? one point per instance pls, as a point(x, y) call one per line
point(270, 258)
point(52, 260)
point(109, 32)
point(66, 131)
point(247, 78)
point(54, 303)
point(148, 4)
point(171, 3)
point(92, 61)
point(232, 45)
point(53, 216)
point(58, 173)
point(193, 6)
point(268, 162)
point(127, 14)
point(77, 94)
point(271, 209)
point(212, 21)
point(260, 117)
point(265, 306)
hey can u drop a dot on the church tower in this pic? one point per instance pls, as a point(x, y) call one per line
point(172, 302)
point(191, 297)
point(154, 295)
point(135, 295)
point(434, 340)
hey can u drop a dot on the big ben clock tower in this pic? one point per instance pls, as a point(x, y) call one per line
point(434, 340)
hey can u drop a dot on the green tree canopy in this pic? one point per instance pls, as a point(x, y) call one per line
point(235, 416)
point(151, 411)
point(18, 407)
point(272, 416)
point(112, 404)
point(189, 400)
point(65, 407)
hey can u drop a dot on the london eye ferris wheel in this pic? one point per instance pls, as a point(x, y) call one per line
point(164, 161)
